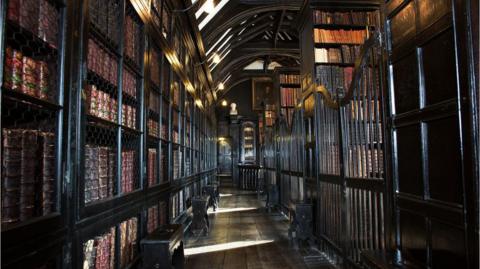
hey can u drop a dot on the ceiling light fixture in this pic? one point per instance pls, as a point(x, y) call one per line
point(224, 103)
point(221, 86)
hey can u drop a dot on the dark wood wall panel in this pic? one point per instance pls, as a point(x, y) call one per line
point(439, 67)
point(409, 160)
point(444, 174)
point(405, 75)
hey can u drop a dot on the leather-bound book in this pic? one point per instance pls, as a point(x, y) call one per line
point(47, 146)
point(28, 173)
point(103, 172)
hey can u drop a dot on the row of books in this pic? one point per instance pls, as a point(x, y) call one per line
point(344, 18)
point(344, 54)
point(340, 36)
point(289, 79)
point(28, 75)
point(105, 15)
point(153, 128)
point(129, 83)
point(99, 252)
point(132, 36)
point(364, 162)
point(365, 110)
point(99, 173)
point(39, 17)
point(152, 167)
point(334, 77)
point(288, 96)
point(128, 171)
point(102, 105)
point(102, 62)
point(128, 241)
point(28, 176)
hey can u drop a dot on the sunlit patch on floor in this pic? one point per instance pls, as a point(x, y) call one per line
point(230, 210)
point(224, 246)
point(225, 194)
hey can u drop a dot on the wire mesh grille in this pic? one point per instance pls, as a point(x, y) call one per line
point(105, 20)
point(30, 108)
point(130, 163)
point(100, 171)
point(99, 252)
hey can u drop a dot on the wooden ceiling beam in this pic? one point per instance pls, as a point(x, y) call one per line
point(279, 25)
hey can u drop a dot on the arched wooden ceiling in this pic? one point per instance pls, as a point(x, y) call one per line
point(243, 31)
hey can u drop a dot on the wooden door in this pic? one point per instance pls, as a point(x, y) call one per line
point(432, 180)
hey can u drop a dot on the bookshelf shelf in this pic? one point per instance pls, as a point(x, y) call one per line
point(123, 165)
point(26, 99)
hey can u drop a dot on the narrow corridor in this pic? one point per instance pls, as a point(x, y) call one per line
point(244, 235)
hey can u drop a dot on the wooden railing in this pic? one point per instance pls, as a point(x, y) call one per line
point(249, 176)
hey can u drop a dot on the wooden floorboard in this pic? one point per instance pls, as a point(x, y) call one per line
point(243, 235)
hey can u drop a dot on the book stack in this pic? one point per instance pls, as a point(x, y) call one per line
point(39, 17)
point(129, 84)
point(105, 17)
point(288, 96)
point(101, 104)
point(28, 76)
point(129, 116)
point(102, 62)
point(132, 37)
point(152, 167)
point(339, 36)
point(344, 18)
point(99, 253)
point(152, 219)
point(155, 67)
point(289, 79)
point(128, 173)
point(334, 77)
point(99, 173)
point(152, 128)
point(28, 179)
point(128, 241)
